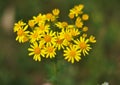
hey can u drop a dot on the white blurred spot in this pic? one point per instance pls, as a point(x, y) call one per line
point(8, 18)
point(105, 83)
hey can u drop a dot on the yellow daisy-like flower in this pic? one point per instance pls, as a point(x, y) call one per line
point(56, 12)
point(74, 32)
point(85, 28)
point(49, 38)
point(61, 25)
point(72, 54)
point(50, 51)
point(85, 17)
point(40, 18)
point(71, 15)
point(22, 34)
point(76, 11)
point(18, 25)
point(36, 50)
point(42, 27)
point(49, 16)
point(92, 39)
point(34, 36)
point(83, 45)
point(31, 23)
point(78, 22)
point(59, 43)
point(84, 35)
point(66, 36)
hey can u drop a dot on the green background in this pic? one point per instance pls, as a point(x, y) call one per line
point(102, 64)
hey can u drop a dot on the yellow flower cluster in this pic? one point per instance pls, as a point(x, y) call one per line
point(46, 35)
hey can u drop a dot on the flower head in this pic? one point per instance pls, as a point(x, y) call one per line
point(50, 51)
point(85, 17)
point(47, 35)
point(22, 34)
point(56, 12)
point(18, 25)
point(36, 50)
point(34, 36)
point(76, 10)
point(59, 43)
point(92, 39)
point(83, 45)
point(72, 54)
point(49, 38)
point(31, 23)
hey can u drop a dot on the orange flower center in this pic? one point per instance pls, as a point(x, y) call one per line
point(42, 27)
point(20, 32)
point(82, 45)
point(67, 37)
point(35, 35)
point(59, 41)
point(50, 49)
point(72, 53)
point(47, 38)
point(37, 50)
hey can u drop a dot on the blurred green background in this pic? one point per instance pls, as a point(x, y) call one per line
point(102, 64)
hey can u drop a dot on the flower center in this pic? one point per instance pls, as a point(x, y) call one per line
point(35, 35)
point(67, 37)
point(20, 32)
point(37, 50)
point(47, 38)
point(59, 41)
point(42, 27)
point(50, 49)
point(72, 53)
point(82, 45)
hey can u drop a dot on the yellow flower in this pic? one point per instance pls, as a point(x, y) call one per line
point(31, 23)
point(59, 43)
point(50, 51)
point(36, 50)
point(34, 36)
point(74, 32)
point(76, 11)
point(49, 16)
point(84, 35)
point(71, 15)
point(40, 18)
point(78, 22)
point(85, 28)
point(42, 27)
point(83, 45)
point(47, 34)
point(85, 17)
point(56, 12)
point(72, 54)
point(66, 36)
point(22, 34)
point(61, 25)
point(92, 39)
point(18, 25)
point(49, 38)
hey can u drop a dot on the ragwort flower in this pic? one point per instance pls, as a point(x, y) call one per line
point(83, 45)
point(72, 54)
point(37, 50)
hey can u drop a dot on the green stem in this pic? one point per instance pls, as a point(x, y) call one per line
point(55, 72)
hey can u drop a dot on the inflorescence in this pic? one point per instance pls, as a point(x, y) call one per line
point(46, 35)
